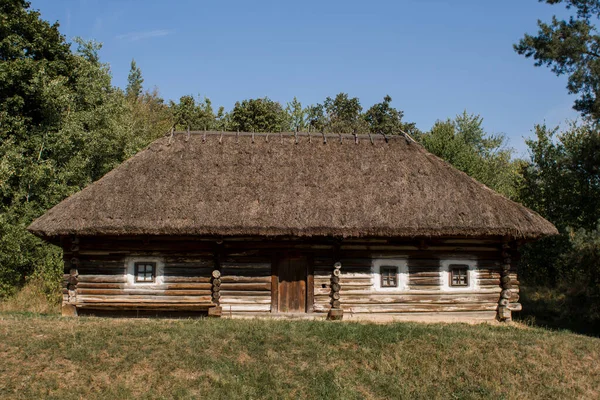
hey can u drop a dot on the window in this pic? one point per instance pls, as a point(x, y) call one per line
point(389, 276)
point(459, 275)
point(145, 271)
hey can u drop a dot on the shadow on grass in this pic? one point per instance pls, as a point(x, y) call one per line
point(555, 309)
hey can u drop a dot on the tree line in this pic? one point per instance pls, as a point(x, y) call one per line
point(63, 125)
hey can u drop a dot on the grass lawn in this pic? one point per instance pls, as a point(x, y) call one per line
point(89, 358)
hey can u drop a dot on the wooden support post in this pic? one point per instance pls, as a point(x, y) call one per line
point(336, 312)
point(504, 312)
point(215, 281)
point(73, 276)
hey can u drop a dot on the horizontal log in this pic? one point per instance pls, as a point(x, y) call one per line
point(410, 308)
point(245, 307)
point(239, 293)
point(142, 299)
point(186, 271)
point(436, 291)
point(101, 271)
point(428, 299)
point(245, 286)
point(99, 285)
point(148, 292)
point(255, 273)
point(156, 306)
point(245, 279)
point(187, 279)
point(489, 282)
point(414, 281)
point(190, 262)
point(102, 278)
point(245, 300)
point(246, 266)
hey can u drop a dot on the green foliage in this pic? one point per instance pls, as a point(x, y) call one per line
point(562, 183)
point(383, 118)
point(297, 115)
point(463, 143)
point(571, 48)
point(134, 82)
point(193, 115)
point(258, 115)
point(573, 300)
point(344, 114)
point(63, 126)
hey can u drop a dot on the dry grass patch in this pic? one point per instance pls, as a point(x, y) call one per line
point(54, 357)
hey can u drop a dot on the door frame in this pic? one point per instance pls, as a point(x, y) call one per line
point(310, 279)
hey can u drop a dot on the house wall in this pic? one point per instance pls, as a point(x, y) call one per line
point(246, 275)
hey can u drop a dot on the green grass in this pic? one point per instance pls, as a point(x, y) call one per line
point(54, 357)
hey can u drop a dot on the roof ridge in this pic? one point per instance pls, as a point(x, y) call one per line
point(328, 135)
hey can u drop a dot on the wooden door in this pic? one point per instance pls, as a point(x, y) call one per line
point(292, 271)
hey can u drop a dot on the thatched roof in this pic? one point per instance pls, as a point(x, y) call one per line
point(222, 185)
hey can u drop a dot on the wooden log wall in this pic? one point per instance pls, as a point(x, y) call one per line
point(424, 293)
point(244, 286)
point(102, 276)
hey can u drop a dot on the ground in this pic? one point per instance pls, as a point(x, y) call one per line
point(72, 358)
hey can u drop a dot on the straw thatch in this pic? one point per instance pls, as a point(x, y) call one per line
point(286, 185)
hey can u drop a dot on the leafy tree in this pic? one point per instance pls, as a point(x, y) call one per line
point(148, 119)
point(63, 126)
point(193, 115)
point(258, 115)
point(344, 114)
point(134, 82)
point(315, 117)
point(562, 182)
point(571, 48)
point(296, 115)
point(383, 118)
point(464, 143)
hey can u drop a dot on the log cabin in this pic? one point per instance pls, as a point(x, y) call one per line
point(290, 225)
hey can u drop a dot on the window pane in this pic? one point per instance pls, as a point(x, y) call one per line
point(389, 276)
point(459, 276)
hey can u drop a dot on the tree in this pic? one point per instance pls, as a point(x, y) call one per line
point(134, 82)
point(193, 115)
point(149, 118)
point(344, 114)
point(296, 115)
point(63, 126)
point(315, 117)
point(383, 118)
point(258, 115)
point(464, 143)
point(561, 181)
point(571, 48)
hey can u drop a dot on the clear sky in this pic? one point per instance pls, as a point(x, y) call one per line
point(435, 58)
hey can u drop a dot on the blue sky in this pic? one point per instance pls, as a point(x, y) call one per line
point(435, 58)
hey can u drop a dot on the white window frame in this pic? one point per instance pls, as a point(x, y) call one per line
point(472, 275)
point(131, 272)
point(402, 276)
